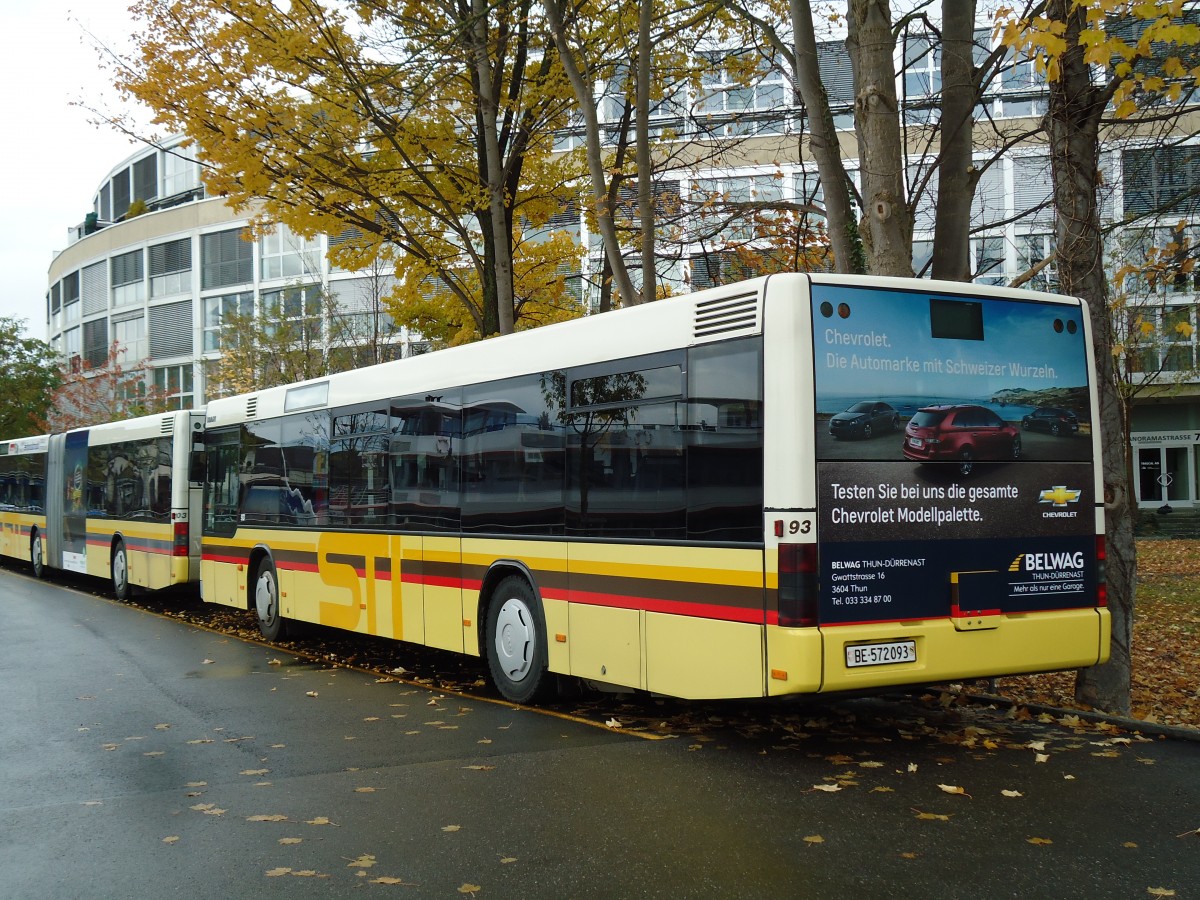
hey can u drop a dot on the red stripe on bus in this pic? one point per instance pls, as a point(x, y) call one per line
point(674, 607)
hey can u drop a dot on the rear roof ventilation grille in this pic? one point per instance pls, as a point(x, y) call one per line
point(727, 315)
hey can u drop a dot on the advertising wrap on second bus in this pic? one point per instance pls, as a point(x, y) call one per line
point(954, 453)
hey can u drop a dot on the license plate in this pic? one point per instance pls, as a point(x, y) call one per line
point(881, 654)
point(916, 442)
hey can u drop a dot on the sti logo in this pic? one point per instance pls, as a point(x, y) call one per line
point(1059, 496)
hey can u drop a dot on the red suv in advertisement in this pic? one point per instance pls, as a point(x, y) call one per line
point(964, 433)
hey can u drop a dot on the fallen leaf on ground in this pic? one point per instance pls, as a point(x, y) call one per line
point(387, 879)
point(505, 860)
point(953, 789)
point(364, 790)
point(1012, 793)
point(363, 862)
point(320, 820)
point(479, 768)
point(936, 817)
point(451, 827)
point(1160, 892)
point(827, 788)
point(286, 841)
point(470, 889)
point(310, 693)
point(254, 771)
point(276, 817)
point(275, 873)
point(814, 839)
point(173, 839)
point(1039, 841)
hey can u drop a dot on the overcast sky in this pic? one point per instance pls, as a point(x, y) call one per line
point(52, 157)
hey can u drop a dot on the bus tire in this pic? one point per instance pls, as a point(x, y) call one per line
point(119, 568)
point(515, 641)
point(271, 623)
point(35, 555)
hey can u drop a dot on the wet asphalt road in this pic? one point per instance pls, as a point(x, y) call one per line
point(143, 757)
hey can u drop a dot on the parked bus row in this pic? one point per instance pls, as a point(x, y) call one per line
point(658, 498)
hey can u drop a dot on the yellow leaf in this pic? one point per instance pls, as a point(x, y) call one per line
point(277, 817)
point(479, 768)
point(909, 855)
point(173, 839)
point(814, 839)
point(505, 860)
point(1041, 757)
point(932, 817)
point(912, 767)
point(1040, 841)
point(385, 879)
point(320, 820)
point(363, 862)
point(451, 828)
point(1160, 892)
point(287, 841)
point(364, 790)
point(827, 788)
point(880, 790)
point(254, 772)
point(470, 889)
point(275, 873)
point(871, 765)
point(1129, 845)
point(1012, 793)
point(953, 789)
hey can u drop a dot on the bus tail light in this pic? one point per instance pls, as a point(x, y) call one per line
point(797, 585)
point(1101, 577)
point(179, 546)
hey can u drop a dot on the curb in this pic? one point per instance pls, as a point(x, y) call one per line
point(1174, 732)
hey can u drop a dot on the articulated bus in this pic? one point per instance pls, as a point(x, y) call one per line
point(797, 484)
point(115, 501)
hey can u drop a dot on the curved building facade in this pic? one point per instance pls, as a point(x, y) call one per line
point(156, 266)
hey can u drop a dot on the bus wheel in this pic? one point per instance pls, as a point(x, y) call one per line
point(516, 641)
point(120, 571)
point(35, 555)
point(266, 601)
point(966, 461)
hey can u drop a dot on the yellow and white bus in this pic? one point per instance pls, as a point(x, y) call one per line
point(795, 484)
point(115, 501)
point(23, 499)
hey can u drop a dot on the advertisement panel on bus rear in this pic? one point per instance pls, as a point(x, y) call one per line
point(954, 455)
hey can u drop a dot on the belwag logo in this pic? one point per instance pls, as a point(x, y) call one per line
point(1047, 562)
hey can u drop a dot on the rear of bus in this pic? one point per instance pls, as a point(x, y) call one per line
point(956, 543)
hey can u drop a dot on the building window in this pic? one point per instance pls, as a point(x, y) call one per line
point(171, 329)
point(171, 268)
point(120, 194)
point(128, 281)
point(226, 259)
point(718, 216)
point(179, 170)
point(175, 383)
point(726, 90)
point(218, 311)
point(988, 253)
point(130, 337)
point(73, 344)
point(287, 255)
point(1161, 180)
point(145, 178)
point(1031, 250)
point(300, 306)
point(95, 342)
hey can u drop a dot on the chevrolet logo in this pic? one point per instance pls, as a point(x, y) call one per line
point(1059, 495)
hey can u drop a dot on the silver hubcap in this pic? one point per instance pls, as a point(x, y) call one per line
point(264, 597)
point(515, 639)
point(120, 570)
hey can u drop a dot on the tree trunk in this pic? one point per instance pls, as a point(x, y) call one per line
point(497, 218)
point(844, 238)
point(888, 220)
point(591, 124)
point(1072, 122)
point(645, 170)
point(951, 236)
